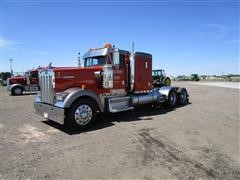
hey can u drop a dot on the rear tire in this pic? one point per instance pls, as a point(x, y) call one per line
point(182, 96)
point(172, 99)
point(167, 81)
point(82, 114)
point(16, 91)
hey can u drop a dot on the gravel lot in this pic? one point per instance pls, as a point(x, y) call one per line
point(235, 85)
point(200, 140)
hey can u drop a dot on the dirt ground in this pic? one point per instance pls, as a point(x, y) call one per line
point(199, 140)
point(235, 85)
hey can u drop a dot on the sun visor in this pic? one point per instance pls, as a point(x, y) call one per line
point(98, 52)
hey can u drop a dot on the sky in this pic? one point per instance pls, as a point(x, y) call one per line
point(184, 37)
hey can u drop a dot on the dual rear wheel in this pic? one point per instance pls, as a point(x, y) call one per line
point(179, 97)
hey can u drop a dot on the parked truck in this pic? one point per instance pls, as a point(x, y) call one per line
point(19, 84)
point(111, 80)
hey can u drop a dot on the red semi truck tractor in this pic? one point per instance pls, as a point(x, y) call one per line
point(28, 82)
point(111, 80)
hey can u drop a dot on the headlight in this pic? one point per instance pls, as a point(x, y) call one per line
point(61, 96)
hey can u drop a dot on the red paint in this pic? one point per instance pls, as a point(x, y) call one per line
point(66, 78)
point(143, 73)
point(18, 80)
point(23, 80)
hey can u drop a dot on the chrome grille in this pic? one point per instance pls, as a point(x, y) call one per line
point(47, 91)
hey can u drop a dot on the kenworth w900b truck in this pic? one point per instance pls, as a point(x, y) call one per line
point(111, 80)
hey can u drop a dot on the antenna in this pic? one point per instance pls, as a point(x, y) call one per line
point(132, 48)
point(79, 60)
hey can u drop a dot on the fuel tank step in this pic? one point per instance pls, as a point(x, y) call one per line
point(119, 104)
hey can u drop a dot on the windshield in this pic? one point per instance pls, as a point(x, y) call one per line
point(26, 74)
point(95, 61)
point(157, 73)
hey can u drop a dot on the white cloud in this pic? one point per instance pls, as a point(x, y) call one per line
point(8, 44)
point(11, 45)
point(187, 53)
point(218, 30)
point(183, 54)
point(41, 52)
point(235, 41)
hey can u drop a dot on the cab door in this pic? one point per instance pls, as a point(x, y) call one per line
point(34, 78)
point(27, 76)
point(119, 84)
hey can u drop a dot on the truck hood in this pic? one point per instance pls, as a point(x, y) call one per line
point(69, 77)
point(17, 80)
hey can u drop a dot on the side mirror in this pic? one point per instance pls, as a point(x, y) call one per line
point(116, 57)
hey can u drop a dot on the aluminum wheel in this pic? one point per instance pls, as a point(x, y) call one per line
point(173, 98)
point(83, 114)
point(168, 82)
point(17, 91)
point(182, 98)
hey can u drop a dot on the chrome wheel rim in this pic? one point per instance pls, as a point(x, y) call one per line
point(17, 91)
point(183, 96)
point(83, 115)
point(173, 98)
point(168, 82)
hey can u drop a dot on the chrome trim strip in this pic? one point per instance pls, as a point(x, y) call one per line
point(68, 77)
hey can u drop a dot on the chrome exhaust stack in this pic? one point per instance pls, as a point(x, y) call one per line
point(132, 68)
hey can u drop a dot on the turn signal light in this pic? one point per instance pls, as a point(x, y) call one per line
point(107, 45)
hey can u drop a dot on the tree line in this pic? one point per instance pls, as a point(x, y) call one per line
point(5, 75)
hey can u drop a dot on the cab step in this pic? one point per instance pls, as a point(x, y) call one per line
point(119, 104)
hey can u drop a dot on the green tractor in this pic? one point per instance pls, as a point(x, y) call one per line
point(194, 77)
point(160, 79)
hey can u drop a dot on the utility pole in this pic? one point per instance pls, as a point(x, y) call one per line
point(11, 60)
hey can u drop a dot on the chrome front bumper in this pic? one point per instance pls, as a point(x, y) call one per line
point(50, 112)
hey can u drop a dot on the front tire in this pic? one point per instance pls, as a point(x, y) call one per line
point(17, 91)
point(82, 114)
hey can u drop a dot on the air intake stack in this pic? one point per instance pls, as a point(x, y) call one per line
point(140, 72)
point(132, 68)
